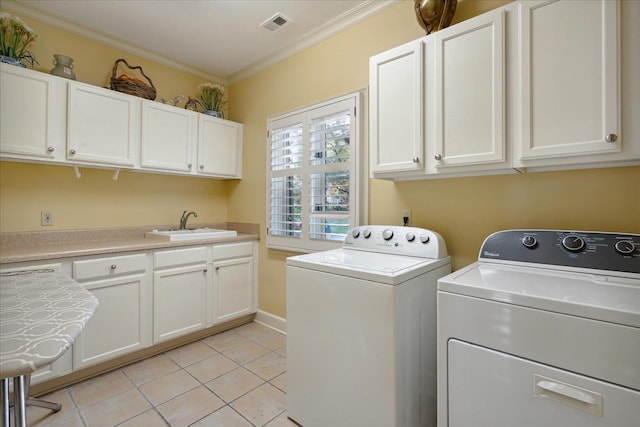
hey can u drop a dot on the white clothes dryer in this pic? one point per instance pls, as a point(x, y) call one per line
point(361, 330)
point(544, 330)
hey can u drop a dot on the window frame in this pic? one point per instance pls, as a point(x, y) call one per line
point(357, 166)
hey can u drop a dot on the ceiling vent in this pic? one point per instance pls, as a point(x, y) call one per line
point(275, 22)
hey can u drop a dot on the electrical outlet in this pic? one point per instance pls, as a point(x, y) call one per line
point(46, 218)
point(406, 217)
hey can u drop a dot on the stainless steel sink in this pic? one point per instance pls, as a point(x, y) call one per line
point(194, 234)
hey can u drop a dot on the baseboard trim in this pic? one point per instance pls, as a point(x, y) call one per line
point(272, 321)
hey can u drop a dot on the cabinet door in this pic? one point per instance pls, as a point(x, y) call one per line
point(31, 115)
point(102, 125)
point(179, 301)
point(569, 78)
point(396, 109)
point(219, 147)
point(233, 289)
point(168, 134)
point(469, 93)
point(118, 325)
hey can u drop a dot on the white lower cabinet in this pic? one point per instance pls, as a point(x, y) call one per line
point(120, 324)
point(151, 297)
point(180, 290)
point(234, 292)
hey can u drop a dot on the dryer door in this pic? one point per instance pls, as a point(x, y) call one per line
point(489, 388)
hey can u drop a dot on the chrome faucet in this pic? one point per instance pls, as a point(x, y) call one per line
point(185, 217)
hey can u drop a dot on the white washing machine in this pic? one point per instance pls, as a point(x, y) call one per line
point(361, 330)
point(544, 330)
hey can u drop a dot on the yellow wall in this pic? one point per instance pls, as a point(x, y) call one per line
point(463, 210)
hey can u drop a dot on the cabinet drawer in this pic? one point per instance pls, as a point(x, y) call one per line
point(178, 257)
point(108, 267)
point(235, 250)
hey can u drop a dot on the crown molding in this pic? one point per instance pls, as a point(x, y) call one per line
point(329, 29)
point(33, 13)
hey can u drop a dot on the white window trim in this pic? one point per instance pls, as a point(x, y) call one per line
point(358, 184)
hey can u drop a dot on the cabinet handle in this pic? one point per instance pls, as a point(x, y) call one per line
point(51, 149)
point(113, 266)
point(438, 157)
point(205, 270)
point(612, 137)
point(190, 165)
point(416, 160)
point(72, 151)
point(217, 268)
point(201, 166)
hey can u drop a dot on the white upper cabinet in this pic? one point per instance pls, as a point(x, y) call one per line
point(570, 82)
point(219, 147)
point(32, 111)
point(103, 126)
point(466, 110)
point(167, 137)
point(534, 85)
point(396, 84)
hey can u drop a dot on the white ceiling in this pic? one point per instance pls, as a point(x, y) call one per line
point(219, 39)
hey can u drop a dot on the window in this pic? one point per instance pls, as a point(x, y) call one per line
point(315, 175)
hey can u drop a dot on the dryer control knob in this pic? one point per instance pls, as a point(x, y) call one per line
point(573, 243)
point(424, 238)
point(625, 247)
point(355, 233)
point(366, 233)
point(529, 242)
point(387, 234)
point(410, 237)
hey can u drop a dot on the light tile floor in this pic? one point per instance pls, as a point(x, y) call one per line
point(233, 379)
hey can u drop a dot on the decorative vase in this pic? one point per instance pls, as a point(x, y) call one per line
point(63, 67)
point(12, 61)
point(434, 15)
point(213, 113)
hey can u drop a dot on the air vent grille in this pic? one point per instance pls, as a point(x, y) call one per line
point(275, 22)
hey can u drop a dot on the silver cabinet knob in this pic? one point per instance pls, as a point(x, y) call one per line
point(72, 151)
point(205, 270)
point(190, 165)
point(51, 149)
point(217, 268)
point(416, 160)
point(113, 267)
point(201, 166)
point(438, 157)
point(612, 137)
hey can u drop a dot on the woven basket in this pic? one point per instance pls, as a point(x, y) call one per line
point(131, 86)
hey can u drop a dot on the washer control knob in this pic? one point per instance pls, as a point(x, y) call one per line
point(410, 237)
point(625, 247)
point(366, 233)
point(387, 234)
point(529, 242)
point(573, 243)
point(424, 238)
point(355, 233)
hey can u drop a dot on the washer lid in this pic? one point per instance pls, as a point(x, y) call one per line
point(606, 298)
point(374, 266)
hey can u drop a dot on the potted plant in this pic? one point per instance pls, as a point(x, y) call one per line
point(211, 99)
point(15, 37)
